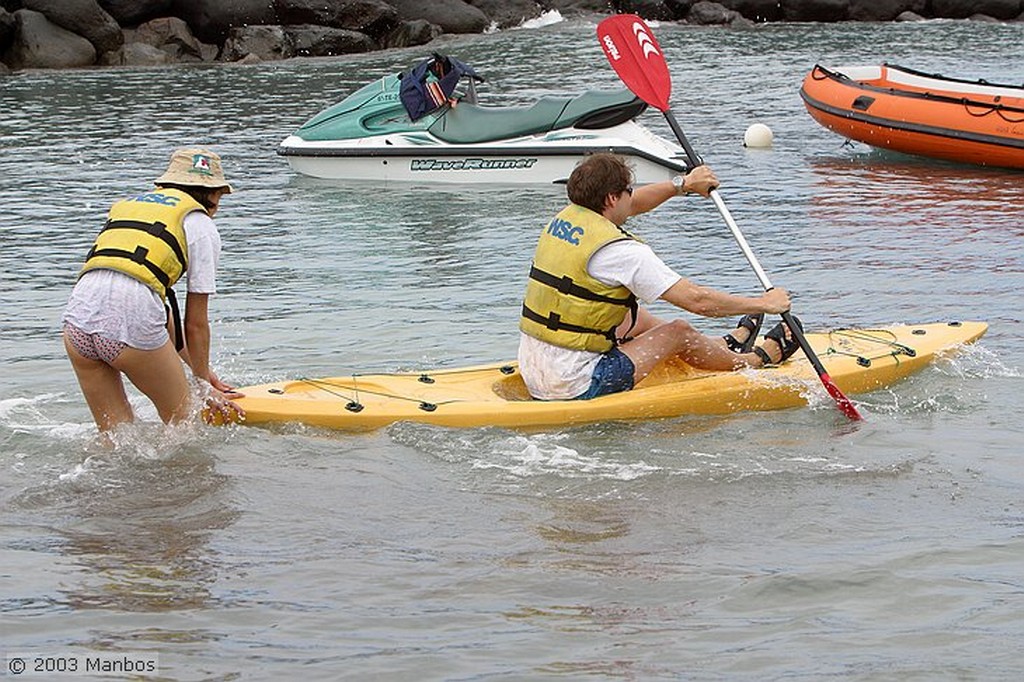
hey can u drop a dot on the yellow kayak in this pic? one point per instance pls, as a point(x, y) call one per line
point(858, 360)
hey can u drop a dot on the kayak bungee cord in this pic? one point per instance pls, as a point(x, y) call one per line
point(355, 405)
point(867, 335)
point(350, 391)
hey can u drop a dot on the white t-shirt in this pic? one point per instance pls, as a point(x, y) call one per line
point(555, 373)
point(122, 308)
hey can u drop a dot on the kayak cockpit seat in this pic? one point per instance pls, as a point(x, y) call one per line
point(511, 388)
point(594, 109)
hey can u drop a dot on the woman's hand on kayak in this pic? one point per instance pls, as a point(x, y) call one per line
point(224, 388)
point(218, 397)
point(220, 409)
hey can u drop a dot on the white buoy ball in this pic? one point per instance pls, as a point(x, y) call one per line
point(758, 135)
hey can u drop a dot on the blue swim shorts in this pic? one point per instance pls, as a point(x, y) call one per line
point(613, 374)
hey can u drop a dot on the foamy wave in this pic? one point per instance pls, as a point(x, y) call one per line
point(536, 456)
point(12, 405)
point(519, 455)
point(552, 16)
point(810, 389)
point(546, 19)
point(974, 361)
point(44, 419)
point(26, 415)
point(78, 471)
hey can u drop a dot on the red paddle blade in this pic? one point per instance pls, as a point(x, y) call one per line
point(844, 404)
point(630, 47)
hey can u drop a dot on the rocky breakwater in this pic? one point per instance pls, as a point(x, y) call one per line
point(40, 34)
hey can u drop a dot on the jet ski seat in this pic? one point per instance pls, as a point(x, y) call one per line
point(594, 109)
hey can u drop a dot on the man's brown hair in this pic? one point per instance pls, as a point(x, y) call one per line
point(597, 176)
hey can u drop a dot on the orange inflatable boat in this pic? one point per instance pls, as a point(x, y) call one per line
point(908, 111)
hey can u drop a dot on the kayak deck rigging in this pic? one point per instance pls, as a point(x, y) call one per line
point(858, 360)
point(888, 348)
point(896, 349)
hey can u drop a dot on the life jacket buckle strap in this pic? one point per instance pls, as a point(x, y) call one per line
point(566, 285)
point(553, 321)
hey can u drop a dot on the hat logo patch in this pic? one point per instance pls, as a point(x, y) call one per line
point(201, 164)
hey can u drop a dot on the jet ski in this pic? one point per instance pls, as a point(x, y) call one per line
point(427, 126)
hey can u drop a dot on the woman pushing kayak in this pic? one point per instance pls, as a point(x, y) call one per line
point(583, 333)
point(122, 316)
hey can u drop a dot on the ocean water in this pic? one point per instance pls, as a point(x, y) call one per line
point(787, 545)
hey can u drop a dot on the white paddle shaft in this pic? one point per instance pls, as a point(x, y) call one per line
point(741, 240)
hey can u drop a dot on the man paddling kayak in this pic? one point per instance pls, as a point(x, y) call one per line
point(583, 332)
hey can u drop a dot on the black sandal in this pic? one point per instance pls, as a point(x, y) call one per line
point(750, 322)
point(778, 335)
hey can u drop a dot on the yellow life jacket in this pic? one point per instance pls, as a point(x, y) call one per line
point(144, 237)
point(564, 305)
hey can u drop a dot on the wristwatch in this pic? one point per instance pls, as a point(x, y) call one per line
point(677, 182)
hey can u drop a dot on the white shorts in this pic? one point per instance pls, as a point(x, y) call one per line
point(119, 308)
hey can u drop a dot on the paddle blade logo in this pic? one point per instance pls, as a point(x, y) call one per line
point(644, 40)
point(633, 52)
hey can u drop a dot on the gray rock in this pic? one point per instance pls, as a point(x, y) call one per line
point(211, 20)
point(40, 44)
point(872, 10)
point(309, 40)
point(883, 10)
point(814, 10)
point(210, 52)
point(135, 12)
point(757, 10)
point(571, 7)
point(909, 16)
point(372, 17)
point(679, 8)
point(170, 35)
point(84, 17)
point(454, 16)
point(711, 14)
point(136, 54)
point(409, 33)
point(7, 25)
point(656, 10)
point(508, 13)
point(266, 42)
point(962, 9)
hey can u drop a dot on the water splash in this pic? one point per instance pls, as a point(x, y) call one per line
point(548, 18)
point(541, 455)
point(29, 416)
point(522, 456)
point(974, 361)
